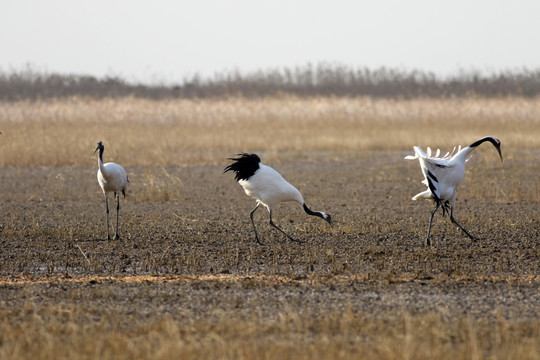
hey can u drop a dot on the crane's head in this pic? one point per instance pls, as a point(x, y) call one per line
point(497, 144)
point(100, 146)
point(327, 217)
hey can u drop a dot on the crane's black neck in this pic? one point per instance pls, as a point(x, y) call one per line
point(101, 149)
point(312, 213)
point(491, 139)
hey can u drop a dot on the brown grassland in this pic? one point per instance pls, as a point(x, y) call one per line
point(187, 281)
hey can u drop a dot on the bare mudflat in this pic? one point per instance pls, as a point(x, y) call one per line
point(186, 279)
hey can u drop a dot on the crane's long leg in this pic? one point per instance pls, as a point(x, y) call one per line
point(459, 226)
point(252, 223)
point(107, 207)
point(428, 242)
point(283, 232)
point(116, 236)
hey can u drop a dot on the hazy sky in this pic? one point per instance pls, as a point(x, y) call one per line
point(169, 40)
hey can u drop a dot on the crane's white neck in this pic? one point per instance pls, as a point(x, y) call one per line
point(463, 153)
point(299, 199)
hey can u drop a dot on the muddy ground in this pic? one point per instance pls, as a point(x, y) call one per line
point(196, 252)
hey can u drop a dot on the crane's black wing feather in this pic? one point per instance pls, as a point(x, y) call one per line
point(244, 166)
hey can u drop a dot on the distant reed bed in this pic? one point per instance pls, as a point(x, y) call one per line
point(183, 132)
point(309, 80)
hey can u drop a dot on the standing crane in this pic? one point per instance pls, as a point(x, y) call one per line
point(267, 187)
point(442, 176)
point(112, 178)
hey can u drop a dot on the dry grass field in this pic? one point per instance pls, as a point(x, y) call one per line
point(187, 281)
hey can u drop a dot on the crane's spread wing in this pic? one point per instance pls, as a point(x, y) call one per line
point(434, 168)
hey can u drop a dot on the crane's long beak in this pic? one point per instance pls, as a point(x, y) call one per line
point(499, 151)
point(96, 149)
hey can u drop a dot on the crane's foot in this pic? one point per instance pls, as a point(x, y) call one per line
point(295, 240)
point(116, 237)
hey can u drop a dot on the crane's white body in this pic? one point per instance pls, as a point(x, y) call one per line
point(443, 175)
point(111, 177)
point(269, 188)
point(449, 170)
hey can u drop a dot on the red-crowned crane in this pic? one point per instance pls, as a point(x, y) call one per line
point(442, 175)
point(112, 178)
point(268, 187)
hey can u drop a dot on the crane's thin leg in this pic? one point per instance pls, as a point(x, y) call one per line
point(428, 242)
point(107, 206)
point(116, 236)
point(252, 223)
point(283, 232)
point(459, 226)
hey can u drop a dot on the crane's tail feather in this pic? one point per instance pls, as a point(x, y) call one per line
point(423, 195)
point(243, 166)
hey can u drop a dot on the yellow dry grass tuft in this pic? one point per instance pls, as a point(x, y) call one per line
point(218, 326)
